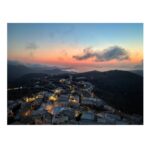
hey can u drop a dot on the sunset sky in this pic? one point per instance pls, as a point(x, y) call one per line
point(79, 46)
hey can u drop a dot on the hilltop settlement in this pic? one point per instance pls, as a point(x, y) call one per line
point(68, 100)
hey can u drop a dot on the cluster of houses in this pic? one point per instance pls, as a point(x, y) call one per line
point(71, 102)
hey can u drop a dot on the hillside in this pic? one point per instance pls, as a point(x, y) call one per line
point(16, 71)
point(121, 89)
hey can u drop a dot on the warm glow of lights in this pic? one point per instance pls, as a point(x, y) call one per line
point(49, 108)
point(27, 113)
point(53, 98)
point(62, 80)
point(30, 99)
point(73, 100)
point(58, 91)
point(77, 113)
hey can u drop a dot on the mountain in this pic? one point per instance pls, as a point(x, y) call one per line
point(54, 71)
point(16, 70)
point(138, 72)
point(121, 89)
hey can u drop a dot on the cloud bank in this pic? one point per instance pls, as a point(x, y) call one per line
point(110, 53)
point(88, 53)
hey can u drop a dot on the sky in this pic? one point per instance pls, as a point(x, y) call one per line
point(78, 46)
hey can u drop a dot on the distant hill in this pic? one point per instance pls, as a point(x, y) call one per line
point(121, 89)
point(54, 71)
point(16, 70)
point(138, 72)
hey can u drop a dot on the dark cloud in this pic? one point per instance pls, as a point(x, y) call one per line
point(31, 46)
point(110, 53)
point(88, 53)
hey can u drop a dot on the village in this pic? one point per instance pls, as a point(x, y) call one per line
point(70, 101)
